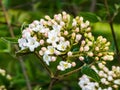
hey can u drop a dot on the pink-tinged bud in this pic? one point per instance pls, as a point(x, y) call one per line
point(106, 48)
point(47, 17)
point(115, 86)
point(58, 67)
point(64, 17)
point(73, 64)
point(69, 53)
point(96, 58)
point(41, 42)
point(90, 43)
point(62, 23)
point(65, 33)
point(81, 58)
point(90, 54)
point(78, 37)
point(87, 23)
point(46, 34)
point(74, 22)
point(88, 29)
point(83, 42)
point(36, 22)
point(67, 43)
point(99, 54)
point(97, 48)
point(43, 49)
point(77, 30)
point(62, 39)
point(86, 48)
point(57, 52)
point(53, 58)
point(81, 49)
point(41, 52)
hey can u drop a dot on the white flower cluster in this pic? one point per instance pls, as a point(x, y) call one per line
point(2, 87)
point(3, 73)
point(7, 76)
point(110, 79)
point(59, 37)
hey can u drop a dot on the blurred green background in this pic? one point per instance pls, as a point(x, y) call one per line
point(25, 11)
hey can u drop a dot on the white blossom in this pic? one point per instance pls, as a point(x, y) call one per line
point(46, 58)
point(64, 65)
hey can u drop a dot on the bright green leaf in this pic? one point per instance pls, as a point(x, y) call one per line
point(91, 73)
point(90, 16)
point(9, 39)
point(4, 47)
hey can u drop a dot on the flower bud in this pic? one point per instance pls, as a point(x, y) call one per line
point(81, 58)
point(73, 64)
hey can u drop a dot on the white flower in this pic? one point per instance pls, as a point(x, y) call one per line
point(56, 28)
point(50, 50)
point(46, 58)
point(32, 43)
point(62, 46)
point(26, 33)
point(64, 65)
point(52, 37)
point(85, 83)
point(22, 43)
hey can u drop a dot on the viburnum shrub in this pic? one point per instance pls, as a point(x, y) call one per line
point(69, 41)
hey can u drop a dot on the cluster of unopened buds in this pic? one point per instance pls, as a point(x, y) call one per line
point(5, 75)
point(110, 79)
point(65, 37)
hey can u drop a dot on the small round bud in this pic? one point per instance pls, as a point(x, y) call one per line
point(96, 58)
point(81, 49)
point(73, 64)
point(69, 53)
point(41, 42)
point(65, 33)
point(81, 58)
point(41, 52)
point(97, 48)
point(86, 48)
point(43, 49)
point(77, 30)
point(53, 58)
point(90, 54)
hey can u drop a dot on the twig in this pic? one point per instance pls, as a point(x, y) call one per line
point(44, 65)
point(111, 18)
point(16, 47)
point(13, 25)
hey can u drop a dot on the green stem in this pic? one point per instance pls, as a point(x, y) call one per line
point(44, 65)
point(111, 18)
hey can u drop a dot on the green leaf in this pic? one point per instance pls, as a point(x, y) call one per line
point(90, 16)
point(9, 39)
point(91, 73)
point(4, 47)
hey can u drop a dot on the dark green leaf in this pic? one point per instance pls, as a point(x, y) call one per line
point(90, 16)
point(9, 39)
point(91, 73)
